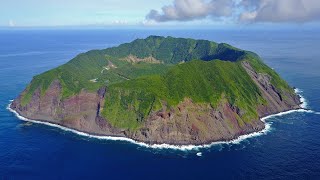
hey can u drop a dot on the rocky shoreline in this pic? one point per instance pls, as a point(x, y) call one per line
point(122, 134)
point(157, 146)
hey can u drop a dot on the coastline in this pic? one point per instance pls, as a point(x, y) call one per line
point(190, 147)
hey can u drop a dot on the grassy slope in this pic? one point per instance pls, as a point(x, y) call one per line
point(76, 74)
point(129, 102)
point(73, 76)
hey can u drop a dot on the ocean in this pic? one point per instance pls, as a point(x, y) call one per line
point(289, 149)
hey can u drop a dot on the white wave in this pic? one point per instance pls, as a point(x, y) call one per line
point(199, 154)
point(304, 103)
point(165, 146)
point(285, 113)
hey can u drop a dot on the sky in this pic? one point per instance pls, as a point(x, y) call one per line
point(147, 13)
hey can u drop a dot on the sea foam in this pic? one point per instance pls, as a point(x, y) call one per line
point(304, 104)
point(177, 147)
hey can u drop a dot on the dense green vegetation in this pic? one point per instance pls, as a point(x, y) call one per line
point(203, 82)
point(73, 76)
point(203, 71)
point(76, 74)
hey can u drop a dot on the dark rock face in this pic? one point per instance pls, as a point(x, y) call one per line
point(195, 124)
point(276, 102)
point(188, 123)
point(80, 112)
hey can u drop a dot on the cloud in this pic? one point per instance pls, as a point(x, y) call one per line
point(275, 11)
point(280, 11)
point(187, 10)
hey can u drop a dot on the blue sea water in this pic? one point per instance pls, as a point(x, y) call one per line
point(290, 150)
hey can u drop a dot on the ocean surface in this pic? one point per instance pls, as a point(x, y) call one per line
point(290, 149)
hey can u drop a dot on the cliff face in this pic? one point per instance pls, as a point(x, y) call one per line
point(195, 124)
point(277, 102)
point(201, 124)
point(186, 123)
point(80, 112)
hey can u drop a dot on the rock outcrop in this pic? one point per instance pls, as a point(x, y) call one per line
point(276, 101)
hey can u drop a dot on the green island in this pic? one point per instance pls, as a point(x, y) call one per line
point(160, 90)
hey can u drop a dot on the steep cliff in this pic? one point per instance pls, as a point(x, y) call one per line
point(160, 90)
